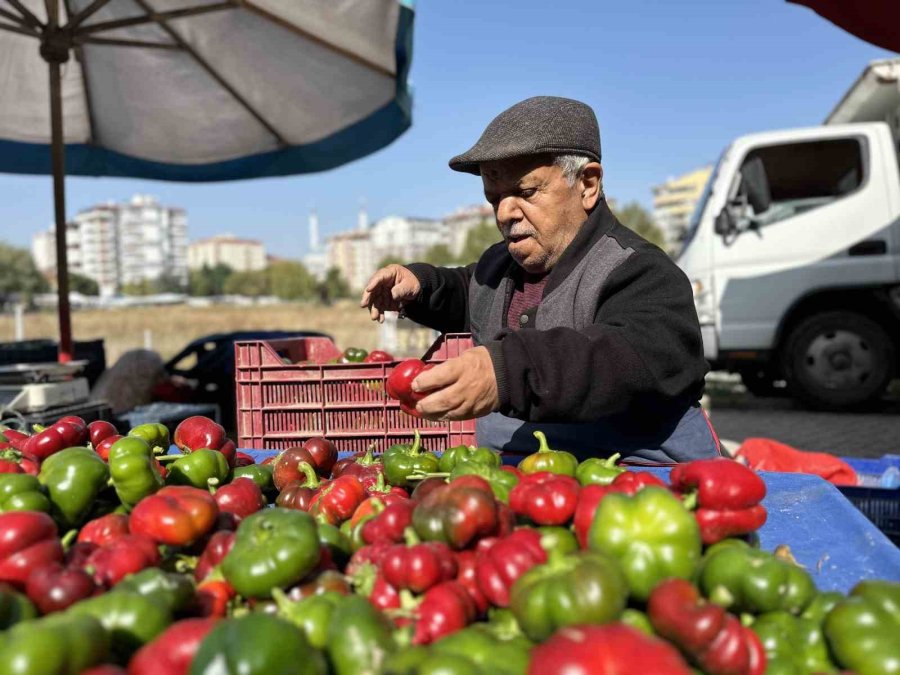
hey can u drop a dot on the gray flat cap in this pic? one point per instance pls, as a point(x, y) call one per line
point(536, 125)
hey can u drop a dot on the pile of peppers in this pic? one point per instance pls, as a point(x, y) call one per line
point(119, 557)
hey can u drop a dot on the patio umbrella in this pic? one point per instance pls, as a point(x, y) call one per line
point(196, 90)
point(874, 21)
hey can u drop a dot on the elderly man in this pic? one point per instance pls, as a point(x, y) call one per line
point(583, 329)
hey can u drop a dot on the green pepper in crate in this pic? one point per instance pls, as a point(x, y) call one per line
point(354, 355)
point(131, 620)
point(359, 637)
point(863, 630)
point(55, 645)
point(200, 469)
point(546, 459)
point(133, 470)
point(405, 459)
point(793, 645)
point(261, 474)
point(73, 478)
point(156, 435)
point(467, 453)
point(597, 471)
point(22, 492)
point(501, 482)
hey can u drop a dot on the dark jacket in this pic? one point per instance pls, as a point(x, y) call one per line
point(635, 352)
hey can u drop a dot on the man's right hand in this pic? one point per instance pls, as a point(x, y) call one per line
point(389, 289)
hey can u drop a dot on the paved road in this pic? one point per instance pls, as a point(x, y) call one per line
point(861, 434)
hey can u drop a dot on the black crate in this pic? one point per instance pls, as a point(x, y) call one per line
point(880, 505)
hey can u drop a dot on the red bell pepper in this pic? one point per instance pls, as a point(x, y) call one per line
point(418, 567)
point(399, 384)
point(241, 497)
point(297, 495)
point(243, 459)
point(172, 651)
point(458, 513)
point(500, 563)
point(710, 637)
point(467, 564)
point(199, 432)
point(337, 501)
point(388, 525)
point(216, 549)
point(369, 582)
point(213, 598)
point(630, 483)
point(177, 515)
point(372, 555)
point(99, 430)
point(323, 453)
point(54, 587)
point(67, 432)
point(545, 498)
point(365, 466)
point(611, 648)
point(378, 356)
point(102, 448)
point(445, 609)
point(16, 439)
point(24, 462)
point(28, 542)
point(10, 466)
point(727, 496)
point(105, 529)
point(126, 555)
point(293, 464)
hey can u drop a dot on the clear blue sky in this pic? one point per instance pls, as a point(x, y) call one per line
point(671, 84)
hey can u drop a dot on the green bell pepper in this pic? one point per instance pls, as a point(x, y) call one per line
point(597, 471)
point(404, 459)
point(73, 478)
point(312, 614)
point(273, 548)
point(863, 630)
point(200, 469)
point(14, 608)
point(556, 538)
point(467, 453)
point(821, 604)
point(652, 535)
point(583, 587)
point(59, 644)
point(340, 544)
point(131, 620)
point(637, 619)
point(133, 470)
point(745, 579)
point(22, 492)
point(501, 482)
point(261, 474)
point(354, 355)
point(545, 459)
point(156, 435)
point(793, 645)
point(174, 591)
point(359, 637)
point(489, 653)
point(257, 644)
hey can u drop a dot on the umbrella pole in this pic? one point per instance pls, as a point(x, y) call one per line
point(58, 153)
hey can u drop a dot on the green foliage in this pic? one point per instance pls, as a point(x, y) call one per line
point(209, 280)
point(334, 286)
point(82, 284)
point(142, 287)
point(253, 284)
point(478, 240)
point(166, 283)
point(440, 255)
point(18, 275)
point(636, 218)
point(291, 281)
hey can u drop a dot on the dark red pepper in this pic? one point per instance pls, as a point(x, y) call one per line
point(337, 501)
point(545, 498)
point(372, 554)
point(216, 549)
point(28, 542)
point(727, 496)
point(172, 651)
point(292, 464)
point(445, 609)
point(213, 598)
point(241, 497)
point(710, 637)
point(54, 587)
point(177, 515)
point(100, 430)
point(199, 432)
point(323, 453)
point(105, 529)
point(378, 356)
point(126, 555)
point(10, 466)
point(365, 466)
point(458, 513)
point(243, 459)
point(418, 567)
point(466, 562)
point(501, 563)
point(65, 433)
point(388, 525)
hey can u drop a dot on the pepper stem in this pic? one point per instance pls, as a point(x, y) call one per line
point(212, 484)
point(169, 458)
point(312, 480)
point(612, 459)
point(422, 475)
point(369, 458)
point(721, 596)
point(416, 447)
point(542, 442)
point(410, 537)
point(690, 501)
point(281, 599)
point(68, 539)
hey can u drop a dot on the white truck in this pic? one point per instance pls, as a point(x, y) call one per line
point(794, 252)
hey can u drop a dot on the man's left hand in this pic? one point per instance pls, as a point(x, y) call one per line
point(466, 387)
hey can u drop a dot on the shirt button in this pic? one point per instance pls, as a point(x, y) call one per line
point(523, 319)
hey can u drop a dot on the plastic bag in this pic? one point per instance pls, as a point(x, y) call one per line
point(764, 454)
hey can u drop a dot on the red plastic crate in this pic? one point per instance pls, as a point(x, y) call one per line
point(281, 403)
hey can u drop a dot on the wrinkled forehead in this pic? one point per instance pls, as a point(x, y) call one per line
point(513, 170)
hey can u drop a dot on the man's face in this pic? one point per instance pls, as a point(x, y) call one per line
point(537, 211)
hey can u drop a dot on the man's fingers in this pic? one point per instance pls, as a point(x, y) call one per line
point(435, 378)
point(438, 404)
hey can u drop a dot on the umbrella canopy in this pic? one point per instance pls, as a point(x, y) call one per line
point(874, 21)
point(197, 90)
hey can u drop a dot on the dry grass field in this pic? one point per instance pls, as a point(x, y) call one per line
point(172, 327)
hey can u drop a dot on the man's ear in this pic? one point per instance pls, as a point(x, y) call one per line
point(591, 184)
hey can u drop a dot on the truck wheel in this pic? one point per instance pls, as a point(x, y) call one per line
point(838, 360)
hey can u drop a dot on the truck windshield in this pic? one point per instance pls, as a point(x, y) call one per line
point(697, 215)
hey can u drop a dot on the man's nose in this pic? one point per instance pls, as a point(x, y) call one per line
point(508, 211)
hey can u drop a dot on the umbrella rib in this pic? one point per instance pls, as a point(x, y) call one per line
point(316, 39)
point(79, 55)
point(29, 18)
point(19, 29)
point(152, 16)
point(12, 16)
point(114, 42)
point(203, 63)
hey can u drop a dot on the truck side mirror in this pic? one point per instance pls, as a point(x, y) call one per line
point(755, 185)
point(724, 224)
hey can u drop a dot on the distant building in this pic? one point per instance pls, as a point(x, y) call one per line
point(458, 224)
point(353, 255)
point(406, 238)
point(117, 244)
point(674, 202)
point(316, 261)
point(241, 255)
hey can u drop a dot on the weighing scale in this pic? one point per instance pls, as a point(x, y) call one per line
point(30, 387)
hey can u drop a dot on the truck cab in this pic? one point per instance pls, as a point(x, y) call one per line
point(794, 252)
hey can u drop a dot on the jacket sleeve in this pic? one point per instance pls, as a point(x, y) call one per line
point(644, 346)
point(443, 303)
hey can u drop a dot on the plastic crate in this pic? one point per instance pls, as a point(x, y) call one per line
point(281, 402)
point(880, 505)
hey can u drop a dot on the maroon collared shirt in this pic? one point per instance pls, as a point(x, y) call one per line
point(527, 294)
